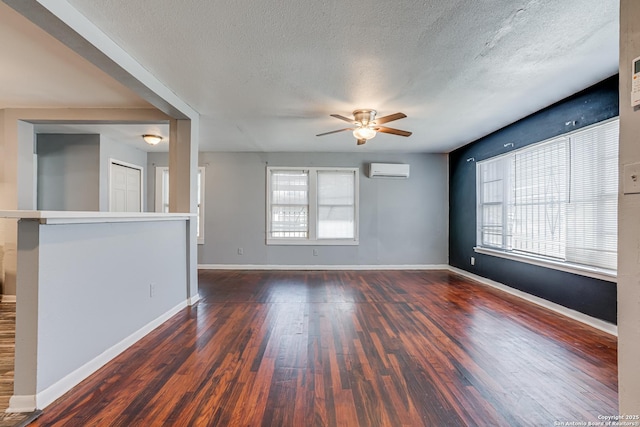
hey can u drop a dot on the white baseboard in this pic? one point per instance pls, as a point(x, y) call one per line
point(607, 327)
point(8, 298)
point(194, 299)
point(22, 404)
point(322, 267)
point(51, 393)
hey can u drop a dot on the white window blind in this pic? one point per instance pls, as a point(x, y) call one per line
point(315, 205)
point(540, 190)
point(336, 204)
point(162, 197)
point(493, 180)
point(593, 208)
point(556, 199)
point(164, 190)
point(289, 203)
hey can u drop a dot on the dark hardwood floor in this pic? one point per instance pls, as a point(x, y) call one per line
point(7, 359)
point(7, 351)
point(373, 348)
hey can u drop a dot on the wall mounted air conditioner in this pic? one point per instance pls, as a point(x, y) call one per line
point(388, 170)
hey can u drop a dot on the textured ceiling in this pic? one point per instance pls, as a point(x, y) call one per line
point(265, 75)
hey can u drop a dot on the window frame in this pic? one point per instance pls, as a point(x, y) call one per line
point(540, 260)
point(312, 238)
point(161, 202)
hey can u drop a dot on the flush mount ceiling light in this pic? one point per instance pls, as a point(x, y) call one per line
point(367, 125)
point(152, 139)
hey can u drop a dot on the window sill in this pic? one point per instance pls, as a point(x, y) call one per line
point(596, 273)
point(323, 242)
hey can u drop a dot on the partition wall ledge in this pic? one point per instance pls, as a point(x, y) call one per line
point(88, 217)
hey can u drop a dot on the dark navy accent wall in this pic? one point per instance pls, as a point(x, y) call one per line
point(593, 297)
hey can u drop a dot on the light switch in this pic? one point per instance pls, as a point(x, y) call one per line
point(631, 179)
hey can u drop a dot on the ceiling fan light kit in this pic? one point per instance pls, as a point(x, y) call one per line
point(367, 126)
point(364, 133)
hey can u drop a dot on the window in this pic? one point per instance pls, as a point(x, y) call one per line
point(289, 204)
point(555, 200)
point(312, 206)
point(162, 197)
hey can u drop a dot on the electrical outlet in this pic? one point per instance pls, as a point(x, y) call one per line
point(240, 251)
point(315, 252)
point(473, 261)
point(152, 290)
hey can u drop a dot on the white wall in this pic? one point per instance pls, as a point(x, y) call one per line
point(628, 220)
point(3, 198)
point(402, 222)
point(26, 148)
point(16, 188)
point(2, 227)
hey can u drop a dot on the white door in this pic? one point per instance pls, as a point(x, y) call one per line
point(125, 189)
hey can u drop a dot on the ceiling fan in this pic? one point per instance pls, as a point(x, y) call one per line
point(367, 125)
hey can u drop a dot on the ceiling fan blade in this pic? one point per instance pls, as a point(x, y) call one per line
point(346, 119)
point(392, 131)
point(334, 131)
point(389, 118)
point(361, 141)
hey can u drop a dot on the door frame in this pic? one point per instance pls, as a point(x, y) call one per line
point(112, 162)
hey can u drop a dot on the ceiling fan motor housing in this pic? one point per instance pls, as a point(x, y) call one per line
point(364, 116)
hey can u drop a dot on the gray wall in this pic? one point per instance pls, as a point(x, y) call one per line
point(118, 151)
point(68, 172)
point(402, 222)
point(73, 170)
point(85, 287)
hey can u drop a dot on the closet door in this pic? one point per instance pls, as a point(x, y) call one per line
point(125, 189)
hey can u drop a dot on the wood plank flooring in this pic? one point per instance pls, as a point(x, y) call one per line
point(7, 351)
point(7, 359)
point(366, 348)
